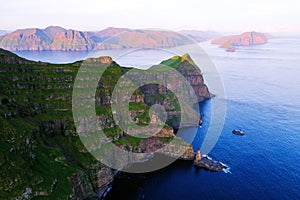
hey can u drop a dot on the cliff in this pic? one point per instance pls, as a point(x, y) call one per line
point(244, 39)
point(41, 153)
point(56, 38)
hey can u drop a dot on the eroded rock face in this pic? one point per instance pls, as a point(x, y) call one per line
point(244, 39)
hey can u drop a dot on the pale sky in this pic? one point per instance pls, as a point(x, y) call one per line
point(217, 15)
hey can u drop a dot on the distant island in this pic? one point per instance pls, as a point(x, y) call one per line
point(55, 38)
point(245, 39)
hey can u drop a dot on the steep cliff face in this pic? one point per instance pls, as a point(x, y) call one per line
point(37, 130)
point(244, 39)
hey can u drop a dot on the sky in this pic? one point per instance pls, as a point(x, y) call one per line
point(215, 15)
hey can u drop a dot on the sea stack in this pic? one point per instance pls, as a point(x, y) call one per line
point(198, 155)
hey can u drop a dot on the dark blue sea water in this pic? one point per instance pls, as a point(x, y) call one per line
point(262, 95)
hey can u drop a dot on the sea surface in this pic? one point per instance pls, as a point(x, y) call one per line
point(262, 97)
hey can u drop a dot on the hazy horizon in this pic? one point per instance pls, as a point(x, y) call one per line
point(220, 16)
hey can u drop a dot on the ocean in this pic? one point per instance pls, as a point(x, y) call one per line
point(262, 97)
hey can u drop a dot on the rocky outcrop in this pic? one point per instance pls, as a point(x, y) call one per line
point(244, 39)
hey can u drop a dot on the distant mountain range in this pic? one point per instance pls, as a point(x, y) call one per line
point(56, 38)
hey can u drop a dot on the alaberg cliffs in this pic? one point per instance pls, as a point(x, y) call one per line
point(41, 152)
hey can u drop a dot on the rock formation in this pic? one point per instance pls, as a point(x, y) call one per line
point(198, 155)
